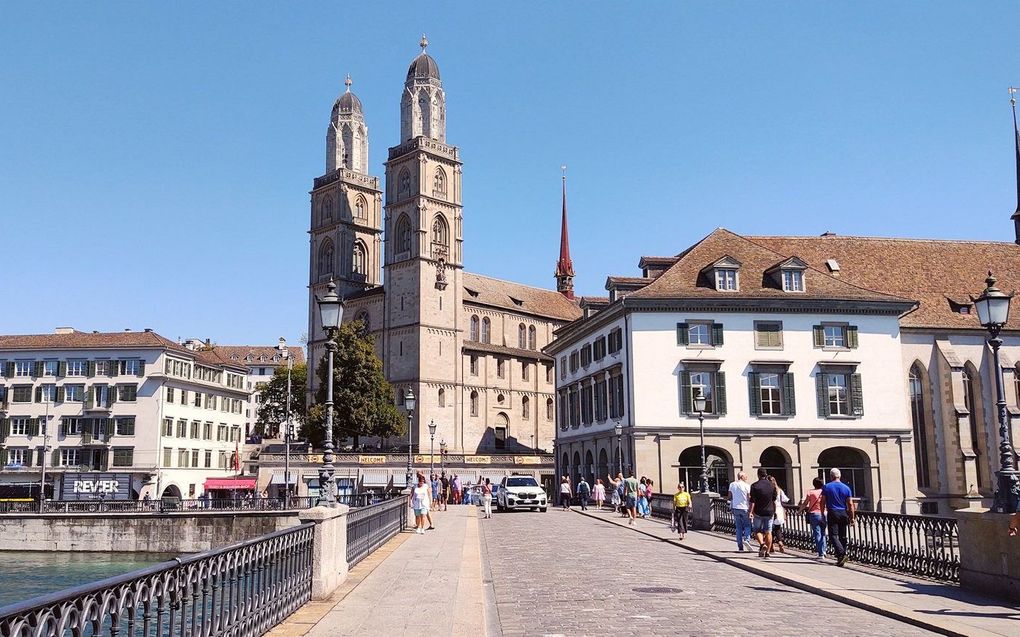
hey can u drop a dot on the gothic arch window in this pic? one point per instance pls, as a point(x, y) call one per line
point(326, 257)
point(525, 408)
point(522, 336)
point(549, 409)
point(442, 397)
point(362, 318)
point(404, 183)
point(474, 328)
point(439, 181)
point(474, 403)
point(359, 259)
point(486, 330)
point(327, 210)
point(972, 401)
point(403, 235)
point(916, 386)
point(440, 235)
point(531, 337)
point(424, 117)
point(360, 208)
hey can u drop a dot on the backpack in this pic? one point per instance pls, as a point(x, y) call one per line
point(584, 488)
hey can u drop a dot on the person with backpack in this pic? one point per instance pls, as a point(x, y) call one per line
point(583, 491)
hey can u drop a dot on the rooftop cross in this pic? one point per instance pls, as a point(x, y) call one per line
point(424, 43)
point(348, 82)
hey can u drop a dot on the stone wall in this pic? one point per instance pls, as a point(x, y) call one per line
point(151, 533)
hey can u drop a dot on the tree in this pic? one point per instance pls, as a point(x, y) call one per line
point(272, 411)
point(362, 398)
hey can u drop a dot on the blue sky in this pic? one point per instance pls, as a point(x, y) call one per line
point(155, 159)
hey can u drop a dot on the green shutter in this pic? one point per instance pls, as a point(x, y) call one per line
point(789, 397)
point(141, 367)
point(62, 369)
point(754, 392)
point(5, 428)
point(720, 393)
point(55, 458)
point(28, 458)
point(32, 429)
point(113, 369)
point(821, 390)
point(685, 393)
point(60, 393)
point(819, 335)
point(851, 336)
point(90, 368)
point(856, 395)
point(3, 458)
point(38, 394)
point(717, 336)
point(40, 456)
point(111, 392)
point(37, 369)
point(9, 370)
point(681, 334)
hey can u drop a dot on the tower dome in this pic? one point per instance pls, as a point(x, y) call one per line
point(423, 66)
point(347, 135)
point(348, 102)
point(423, 103)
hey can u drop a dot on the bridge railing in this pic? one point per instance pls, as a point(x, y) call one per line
point(241, 590)
point(353, 500)
point(370, 527)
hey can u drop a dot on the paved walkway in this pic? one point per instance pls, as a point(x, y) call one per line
point(945, 609)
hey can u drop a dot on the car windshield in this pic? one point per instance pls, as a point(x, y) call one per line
point(521, 482)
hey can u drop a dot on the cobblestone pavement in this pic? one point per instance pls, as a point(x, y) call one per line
point(559, 573)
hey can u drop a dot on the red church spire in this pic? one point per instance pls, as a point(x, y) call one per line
point(564, 266)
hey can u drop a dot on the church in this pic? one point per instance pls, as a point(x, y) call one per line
point(469, 346)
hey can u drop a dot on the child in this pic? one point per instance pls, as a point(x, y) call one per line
point(681, 504)
point(599, 493)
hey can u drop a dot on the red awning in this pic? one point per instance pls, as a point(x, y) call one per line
point(246, 484)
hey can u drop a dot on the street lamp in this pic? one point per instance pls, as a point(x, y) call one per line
point(409, 402)
point(331, 312)
point(287, 432)
point(993, 313)
point(432, 447)
point(442, 455)
point(618, 430)
point(699, 406)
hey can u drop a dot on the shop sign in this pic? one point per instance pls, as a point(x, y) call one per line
point(95, 486)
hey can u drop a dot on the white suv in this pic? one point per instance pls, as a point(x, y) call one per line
point(520, 492)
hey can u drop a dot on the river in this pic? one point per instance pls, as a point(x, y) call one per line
point(30, 574)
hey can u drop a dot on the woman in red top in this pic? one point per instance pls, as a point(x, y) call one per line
point(814, 505)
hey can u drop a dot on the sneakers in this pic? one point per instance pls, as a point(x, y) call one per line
point(419, 531)
point(841, 561)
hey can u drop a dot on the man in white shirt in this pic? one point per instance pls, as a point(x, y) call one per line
point(740, 492)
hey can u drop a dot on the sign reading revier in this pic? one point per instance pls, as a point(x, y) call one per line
point(96, 486)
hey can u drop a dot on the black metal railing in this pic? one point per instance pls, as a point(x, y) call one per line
point(922, 545)
point(241, 590)
point(171, 505)
point(370, 527)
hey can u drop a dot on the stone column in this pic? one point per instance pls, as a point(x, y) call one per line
point(702, 517)
point(329, 548)
point(989, 558)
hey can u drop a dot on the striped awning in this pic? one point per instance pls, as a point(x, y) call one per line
point(375, 477)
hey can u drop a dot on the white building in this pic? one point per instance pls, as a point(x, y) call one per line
point(801, 371)
point(129, 403)
point(261, 361)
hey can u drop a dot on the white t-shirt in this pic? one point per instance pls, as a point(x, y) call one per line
point(781, 499)
point(740, 493)
point(420, 499)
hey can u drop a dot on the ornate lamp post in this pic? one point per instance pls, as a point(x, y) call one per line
point(993, 313)
point(331, 312)
point(442, 455)
point(699, 406)
point(618, 430)
point(432, 447)
point(409, 403)
point(289, 427)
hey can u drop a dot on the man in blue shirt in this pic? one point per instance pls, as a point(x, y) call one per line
point(838, 500)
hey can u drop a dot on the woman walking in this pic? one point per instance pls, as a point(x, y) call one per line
point(564, 493)
point(681, 505)
point(420, 504)
point(434, 483)
point(616, 497)
point(648, 497)
point(814, 505)
point(779, 521)
point(487, 499)
point(599, 494)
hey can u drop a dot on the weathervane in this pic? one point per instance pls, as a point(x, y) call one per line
point(424, 43)
point(348, 82)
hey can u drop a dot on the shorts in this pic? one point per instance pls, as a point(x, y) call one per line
point(630, 502)
point(761, 524)
point(421, 512)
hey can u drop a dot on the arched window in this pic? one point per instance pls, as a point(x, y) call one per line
point(915, 392)
point(972, 401)
point(326, 258)
point(439, 182)
point(526, 408)
point(474, 403)
point(531, 337)
point(327, 210)
point(360, 208)
point(440, 234)
point(404, 183)
point(442, 397)
point(549, 409)
point(403, 235)
point(522, 336)
point(359, 259)
point(486, 329)
point(474, 328)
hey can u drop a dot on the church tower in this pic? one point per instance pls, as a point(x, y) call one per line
point(345, 236)
point(564, 265)
point(423, 256)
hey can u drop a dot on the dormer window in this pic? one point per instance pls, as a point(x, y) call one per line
point(793, 280)
point(723, 273)
point(725, 279)
point(788, 275)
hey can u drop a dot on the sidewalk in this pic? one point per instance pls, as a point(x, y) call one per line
point(938, 607)
point(394, 590)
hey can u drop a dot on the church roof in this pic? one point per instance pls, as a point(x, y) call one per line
point(514, 352)
point(348, 103)
point(482, 290)
point(423, 66)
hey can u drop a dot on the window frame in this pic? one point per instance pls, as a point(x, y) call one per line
point(727, 279)
point(792, 280)
point(758, 331)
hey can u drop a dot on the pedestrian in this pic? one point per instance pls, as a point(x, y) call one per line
point(681, 506)
point(779, 521)
point(814, 506)
point(487, 499)
point(434, 483)
point(583, 491)
point(641, 496)
point(648, 497)
point(420, 504)
point(839, 502)
point(564, 493)
point(739, 492)
point(456, 489)
point(762, 512)
point(630, 496)
point(599, 492)
point(616, 497)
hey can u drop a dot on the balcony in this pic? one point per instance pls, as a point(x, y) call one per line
point(89, 439)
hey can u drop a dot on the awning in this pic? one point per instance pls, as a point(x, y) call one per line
point(278, 478)
point(376, 478)
point(400, 480)
point(245, 484)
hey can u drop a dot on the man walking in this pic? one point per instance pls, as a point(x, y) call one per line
point(762, 511)
point(839, 501)
point(583, 491)
point(630, 495)
point(740, 493)
point(445, 485)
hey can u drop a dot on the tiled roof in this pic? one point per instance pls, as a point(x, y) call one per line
point(489, 348)
point(594, 300)
point(627, 281)
point(89, 340)
point(482, 290)
point(687, 278)
point(932, 272)
point(238, 354)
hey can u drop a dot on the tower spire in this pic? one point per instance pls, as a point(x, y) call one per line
point(348, 83)
point(1016, 141)
point(564, 266)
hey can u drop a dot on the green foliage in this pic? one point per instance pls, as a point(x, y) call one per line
point(362, 398)
point(272, 411)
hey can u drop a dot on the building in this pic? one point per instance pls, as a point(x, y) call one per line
point(166, 418)
point(467, 345)
point(262, 362)
point(801, 371)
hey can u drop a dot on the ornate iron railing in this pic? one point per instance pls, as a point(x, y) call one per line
point(189, 506)
point(922, 545)
point(370, 527)
point(241, 590)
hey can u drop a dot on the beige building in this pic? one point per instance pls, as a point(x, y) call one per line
point(469, 346)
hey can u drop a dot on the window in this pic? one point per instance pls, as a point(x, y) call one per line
point(575, 361)
point(403, 235)
point(699, 334)
point(195, 426)
point(586, 404)
point(586, 355)
point(194, 458)
point(486, 330)
point(360, 208)
point(768, 334)
point(839, 401)
point(616, 397)
point(326, 258)
point(793, 281)
point(123, 456)
point(404, 183)
point(563, 367)
point(76, 367)
point(600, 399)
point(71, 426)
point(500, 437)
point(125, 426)
point(16, 457)
point(208, 459)
point(69, 458)
point(50, 368)
point(474, 328)
point(549, 409)
point(223, 460)
point(709, 384)
point(168, 427)
point(439, 182)
point(131, 367)
point(599, 348)
point(207, 431)
point(835, 336)
point(525, 408)
point(522, 336)
point(615, 340)
point(359, 260)
point(839, 393)
point(170, 394)
point(769, 394)
point(23, 368)
point(915, 392)
point(182, 458)
point(47, 393)
point(474, 403)
point(168, 457)
point(327, 210)
point(127, 393)
point(548, 373)
point(474, 365)
point(725, 279)
point(182, 428)
point(500, 368)
point(525, 370)
point(532, 341)
point(19, 426)
point(73, 393)
point(198, 398)
point(442, 397)
point(440, 236)
point(21, 394)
